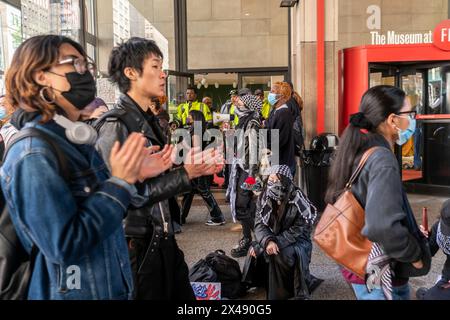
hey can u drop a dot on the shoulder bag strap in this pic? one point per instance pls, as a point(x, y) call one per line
point(361, 165)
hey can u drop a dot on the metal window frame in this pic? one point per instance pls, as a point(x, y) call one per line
point(84, 35)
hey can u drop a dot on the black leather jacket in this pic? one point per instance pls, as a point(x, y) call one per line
point(148, 218)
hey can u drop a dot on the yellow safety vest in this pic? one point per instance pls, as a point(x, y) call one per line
point(236, 119)
point(266, 108)
point(183, 111)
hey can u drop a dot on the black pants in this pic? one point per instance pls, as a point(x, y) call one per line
point(201, 186)
point(245, 205)
point(164, 275)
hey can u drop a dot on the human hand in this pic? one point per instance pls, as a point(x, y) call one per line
point(156, 163)
point(272, 248)
point(426, 233)
point(252, 252)
point(126, 160)
point(418, 264)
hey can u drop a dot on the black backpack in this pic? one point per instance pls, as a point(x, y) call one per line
point(218, 267)
point(16, 265)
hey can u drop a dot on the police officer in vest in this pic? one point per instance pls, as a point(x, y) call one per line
point(191, 104)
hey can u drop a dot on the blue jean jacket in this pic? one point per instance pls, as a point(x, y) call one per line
point(76, 225)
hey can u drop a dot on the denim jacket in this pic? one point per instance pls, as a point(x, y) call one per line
point(75, 224)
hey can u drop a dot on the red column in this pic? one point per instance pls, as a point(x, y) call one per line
point(320, 66)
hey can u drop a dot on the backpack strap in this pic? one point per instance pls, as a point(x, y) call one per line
point(361, 165)
point(131, 122)
point(35, 132)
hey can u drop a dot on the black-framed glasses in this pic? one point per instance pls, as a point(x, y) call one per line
point(411, 114)
point(80, 65)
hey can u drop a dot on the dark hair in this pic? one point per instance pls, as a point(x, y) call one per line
point(130, 54)
point(35, 54)
point(376, 106)
point(192, 88)
point(197, 116)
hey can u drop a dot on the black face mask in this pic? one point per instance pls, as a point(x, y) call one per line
point(82, 89)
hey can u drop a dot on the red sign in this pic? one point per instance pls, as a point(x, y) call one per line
point(441, 35)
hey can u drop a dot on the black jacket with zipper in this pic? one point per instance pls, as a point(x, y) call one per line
point(147, 220)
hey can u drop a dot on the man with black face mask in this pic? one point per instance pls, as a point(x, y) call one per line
point(279, 258)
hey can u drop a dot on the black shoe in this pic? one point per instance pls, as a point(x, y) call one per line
point(314, 283)
point(242, 249)
point(420, 293)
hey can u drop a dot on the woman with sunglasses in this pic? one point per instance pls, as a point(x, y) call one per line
point(385, 119)
point(68, 207)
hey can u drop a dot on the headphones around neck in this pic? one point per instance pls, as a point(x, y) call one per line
point(77, 132)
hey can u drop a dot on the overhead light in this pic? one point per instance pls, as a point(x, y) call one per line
point(288, 3)
point(247, 14)
point(216, 85)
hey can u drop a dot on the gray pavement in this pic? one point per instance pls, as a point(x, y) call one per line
point(197, 240)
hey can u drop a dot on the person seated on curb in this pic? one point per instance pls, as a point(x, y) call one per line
point(279, 258)
point(439, 237)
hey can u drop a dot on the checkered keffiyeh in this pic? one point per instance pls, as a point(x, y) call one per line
point(443, 241)
point(252, 102)
point(281, 169)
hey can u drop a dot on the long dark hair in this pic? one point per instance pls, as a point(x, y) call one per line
point(376, 106)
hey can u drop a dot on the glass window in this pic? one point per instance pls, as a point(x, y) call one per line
point(89, 6)
point(55, 16)
point(128, 22)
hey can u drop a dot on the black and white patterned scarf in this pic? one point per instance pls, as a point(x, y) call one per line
point(251, 104)
point(378, 271)
point(442, 240)
point(304, 206)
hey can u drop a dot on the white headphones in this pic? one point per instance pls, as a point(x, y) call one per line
point(77, 132)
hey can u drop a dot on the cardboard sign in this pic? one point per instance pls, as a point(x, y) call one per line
point(207, 290)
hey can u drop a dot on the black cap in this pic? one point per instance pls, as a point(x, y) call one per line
point(445, 218)
point(244, 91)
point(233, 93)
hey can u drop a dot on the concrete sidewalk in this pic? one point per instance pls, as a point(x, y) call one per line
point(197, 240)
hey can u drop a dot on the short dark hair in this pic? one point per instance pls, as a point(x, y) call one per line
point(192, 88)
point(130, 54)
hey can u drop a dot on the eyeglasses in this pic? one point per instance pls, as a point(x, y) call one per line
point(80, 65)
point(411, 114)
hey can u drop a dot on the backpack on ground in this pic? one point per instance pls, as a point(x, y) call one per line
point(16, 265)
point(218, 267)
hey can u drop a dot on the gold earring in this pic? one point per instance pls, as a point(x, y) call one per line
point(44, 97)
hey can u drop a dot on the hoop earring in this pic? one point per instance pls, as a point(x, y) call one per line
point(44, 98)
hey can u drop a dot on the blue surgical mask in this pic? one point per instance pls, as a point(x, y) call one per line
point(405, 135)
point(3, 113)
point(272, 98)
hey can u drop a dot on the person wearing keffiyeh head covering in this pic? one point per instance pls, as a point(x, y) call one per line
point(439, 238)
point(245, 169)
point(281, 253)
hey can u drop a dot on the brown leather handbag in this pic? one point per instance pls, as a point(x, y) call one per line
point(338, 232)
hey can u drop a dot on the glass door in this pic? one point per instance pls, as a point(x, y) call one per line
point(176, 85)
